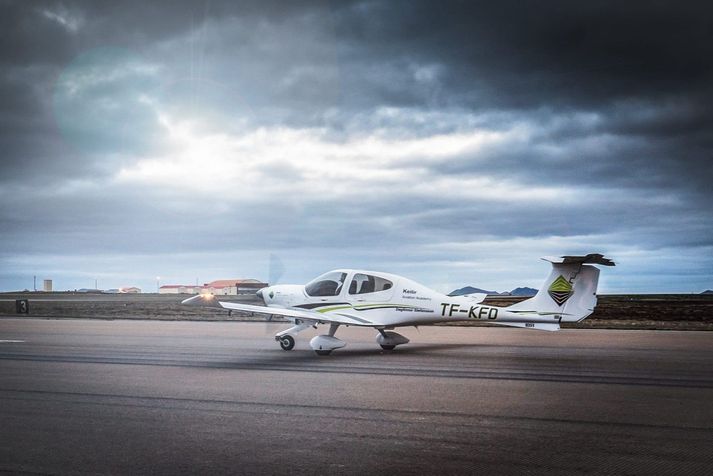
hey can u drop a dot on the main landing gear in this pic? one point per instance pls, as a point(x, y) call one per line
point(388, 340)
point(325, 344)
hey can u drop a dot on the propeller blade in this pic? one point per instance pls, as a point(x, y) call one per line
point(276, 269)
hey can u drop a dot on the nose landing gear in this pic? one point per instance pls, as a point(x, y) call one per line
point(287, 342)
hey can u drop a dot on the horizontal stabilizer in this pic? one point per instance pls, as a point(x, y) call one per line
point(593, 258)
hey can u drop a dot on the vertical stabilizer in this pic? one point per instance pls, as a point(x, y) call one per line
point(569, 291)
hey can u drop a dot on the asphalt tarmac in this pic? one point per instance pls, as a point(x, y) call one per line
point(82, 396)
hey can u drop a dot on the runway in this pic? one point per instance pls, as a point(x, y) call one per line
point(168, 397)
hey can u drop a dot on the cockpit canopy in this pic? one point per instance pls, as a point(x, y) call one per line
point(332, 283)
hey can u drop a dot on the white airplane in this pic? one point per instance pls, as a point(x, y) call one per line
point(352, 297)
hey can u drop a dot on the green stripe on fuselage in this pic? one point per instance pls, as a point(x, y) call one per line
point(334, 308)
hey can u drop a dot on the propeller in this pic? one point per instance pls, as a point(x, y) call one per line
point(274, 272)
point(275, 269)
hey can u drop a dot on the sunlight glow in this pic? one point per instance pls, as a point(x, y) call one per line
point(305, 162)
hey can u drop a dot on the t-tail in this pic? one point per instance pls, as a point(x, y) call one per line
point(568, 295)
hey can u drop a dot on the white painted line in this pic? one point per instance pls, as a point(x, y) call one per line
point(11, 341)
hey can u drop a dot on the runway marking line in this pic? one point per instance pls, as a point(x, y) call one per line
point(11, 341)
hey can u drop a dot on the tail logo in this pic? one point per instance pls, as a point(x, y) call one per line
point(560, 290)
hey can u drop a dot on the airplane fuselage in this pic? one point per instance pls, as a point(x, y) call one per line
point(404, 303)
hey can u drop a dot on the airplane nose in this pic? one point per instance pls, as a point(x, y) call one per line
point(261, 295)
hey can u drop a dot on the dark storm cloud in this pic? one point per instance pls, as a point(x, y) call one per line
point(535, 54)
point(606, 100)
point(30, 38)
point(210, 55)
point(481, 54)
point(644, 68)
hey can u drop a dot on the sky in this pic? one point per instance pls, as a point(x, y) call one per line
point(454, 143)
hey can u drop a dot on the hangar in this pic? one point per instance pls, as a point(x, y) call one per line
point(225, 287)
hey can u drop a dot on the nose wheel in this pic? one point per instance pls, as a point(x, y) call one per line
point(287, 342)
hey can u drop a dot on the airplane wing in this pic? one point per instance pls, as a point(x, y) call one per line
point(209, 300)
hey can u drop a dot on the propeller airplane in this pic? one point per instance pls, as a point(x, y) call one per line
point(383, 301)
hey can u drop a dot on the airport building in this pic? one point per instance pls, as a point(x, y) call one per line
point(225, 287)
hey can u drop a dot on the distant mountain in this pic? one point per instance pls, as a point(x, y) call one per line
point(523, 292)
point(514, 292)
point(708, 291)
point(470, 290)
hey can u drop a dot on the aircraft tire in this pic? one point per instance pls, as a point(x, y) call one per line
point(388, 347)
point(287, 342)
point(323, 352)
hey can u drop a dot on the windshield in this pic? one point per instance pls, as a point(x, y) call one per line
point(329, 284)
